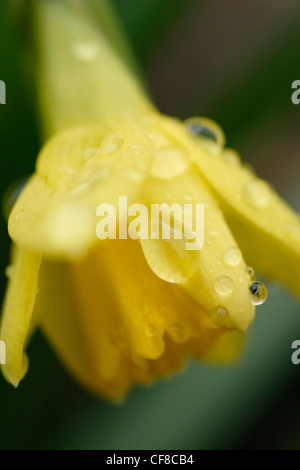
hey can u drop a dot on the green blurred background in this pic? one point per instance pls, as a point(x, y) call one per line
point(234, 62)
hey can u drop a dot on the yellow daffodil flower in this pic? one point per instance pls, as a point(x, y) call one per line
point(124, 311)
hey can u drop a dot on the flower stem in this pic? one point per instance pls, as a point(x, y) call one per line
point(81, 77)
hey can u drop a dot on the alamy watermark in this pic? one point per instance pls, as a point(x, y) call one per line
point(159, 221)
point(296, 354)
point(296, 94)
point(2, 352)
point(2, 92)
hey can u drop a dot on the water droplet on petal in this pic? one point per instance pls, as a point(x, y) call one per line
point(19, 215)
point(251, 273)
point(224, 285)
point(89, 153)
point(113, 146)
point(136, 150)
point(9, 271)
point(231, 157)
point(293, 231)
point(258, 293)
point(169, 163)
point(188, 198)
point(150, 330)
point(11, 195)
point(85, 51)
point(117, 338)
point(159, 140)
point(177, 333)
point(232, 257)
point(213, 214)
point(213, 232)
point(206, 128)
point(80, 188)
point(102, 174)
point(257, 194)
point(132, 174)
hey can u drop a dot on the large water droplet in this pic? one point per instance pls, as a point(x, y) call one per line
point(257, 194)
point(206, 128)
point(258, 293)
point(169, 163)
point(224, 285)
point(232, 257)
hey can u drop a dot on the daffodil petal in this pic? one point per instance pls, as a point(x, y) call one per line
point(266, 228)
point(17, 311)
point(59, 319)
point(220, 284)
point(144, 314)
point(76, 172)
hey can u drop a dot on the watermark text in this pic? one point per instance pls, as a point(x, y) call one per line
point(2, 353)
point(2, 92)
point(159, 221)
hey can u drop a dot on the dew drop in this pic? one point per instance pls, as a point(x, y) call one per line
point(177, 333)
point(251, 273)
point(150, 330)
point(257, 194)
point(85, 51)
point(224, 285)
point(117, 338)
point(19, 215)
point(9, 271)
point(206, 128)
point(231, 157)
point(169, 163)
point(258, 293)
point(293, 231)
point(213, 232)
point(132, 174)
point(89, 153)
point(188, 198)
point(213, 214)
point(80, 188)
point(102, 174)
point(159, 140)
point(113, 146)
point(136, 150)
point(232, 257)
